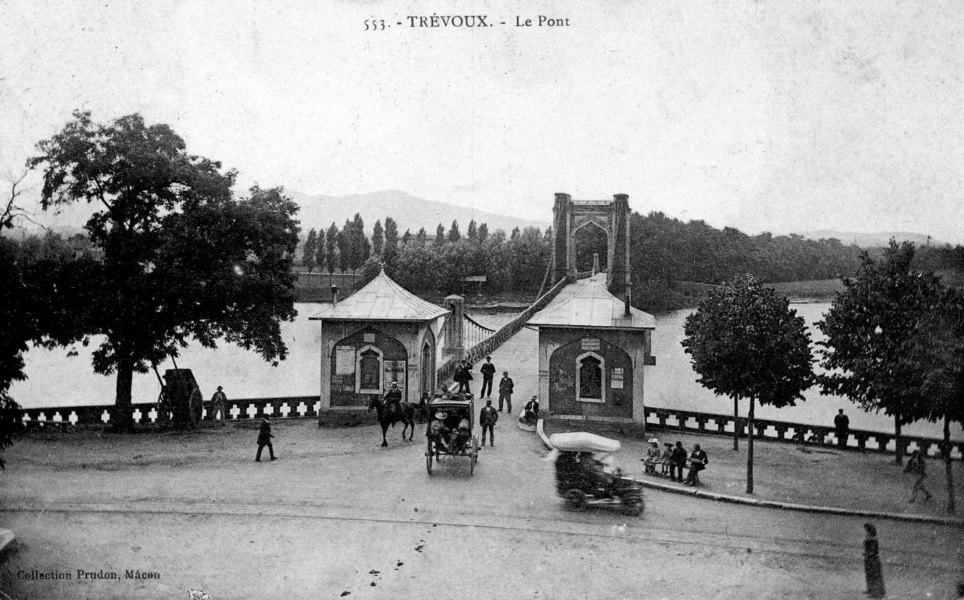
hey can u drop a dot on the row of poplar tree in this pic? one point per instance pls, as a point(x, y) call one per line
point(894, 344)
point(509, 262)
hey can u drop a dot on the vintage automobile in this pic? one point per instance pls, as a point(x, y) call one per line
point(450, 430)
point(587, 473)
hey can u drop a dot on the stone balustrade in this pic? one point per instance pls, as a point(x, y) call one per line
point(237, 410)
point(658, 419)
point(799, 433)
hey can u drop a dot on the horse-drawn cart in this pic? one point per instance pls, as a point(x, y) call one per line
point(180, 401)
point(450, 430)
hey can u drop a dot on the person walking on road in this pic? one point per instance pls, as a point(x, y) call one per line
point(219, 406)
point(264, 439)
point(505, 391)
point(872, 568)
point(918, 467)
point(842, 424)
point(488, 418)
point(679, 462)
point(488, 373)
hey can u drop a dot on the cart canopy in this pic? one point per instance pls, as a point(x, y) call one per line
point(580, 441)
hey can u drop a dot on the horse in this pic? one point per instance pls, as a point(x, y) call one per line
point(405, 414)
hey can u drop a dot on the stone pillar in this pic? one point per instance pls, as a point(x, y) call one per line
point(454, 344)
point(560, 237)
point(619, 277)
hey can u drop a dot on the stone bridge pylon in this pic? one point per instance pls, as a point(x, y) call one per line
point(612, 216)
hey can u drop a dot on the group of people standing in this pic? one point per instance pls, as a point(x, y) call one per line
point(673, 459)
point(463, 377)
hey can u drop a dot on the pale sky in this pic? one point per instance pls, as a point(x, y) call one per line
point(765, 116)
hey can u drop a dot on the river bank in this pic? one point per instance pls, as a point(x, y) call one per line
point(56, 379)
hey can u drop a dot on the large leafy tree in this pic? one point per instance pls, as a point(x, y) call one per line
point(37, 300)
point(870, 335)
point(939, 349)
point(183, 259)
point(746, 343)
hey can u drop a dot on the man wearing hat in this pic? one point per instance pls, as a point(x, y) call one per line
point(264, 439)
point(488, 373)
point(505, 391)
point(488, 418)
point(393, 400)
point(438, 431)
point(219, 405)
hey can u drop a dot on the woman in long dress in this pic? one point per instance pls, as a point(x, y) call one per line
point(872, 569)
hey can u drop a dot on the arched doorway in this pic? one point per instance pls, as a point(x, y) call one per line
point(589, 240)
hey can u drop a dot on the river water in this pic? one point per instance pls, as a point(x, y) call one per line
point(58, 380)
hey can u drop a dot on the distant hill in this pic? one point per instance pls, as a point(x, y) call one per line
point(407, 210)
point(871, 240)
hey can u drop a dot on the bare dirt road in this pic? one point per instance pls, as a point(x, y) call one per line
point(339, 517)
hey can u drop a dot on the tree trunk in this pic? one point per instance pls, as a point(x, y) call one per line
point(898, 442)
point(123, 405)
point(736, 424)
point(948, 466)
point(749, 450)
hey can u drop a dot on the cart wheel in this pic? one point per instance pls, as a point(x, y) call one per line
point(163, 412)
point(632, 504)
point(195, 407)
point(576, 500)
point(428, 458)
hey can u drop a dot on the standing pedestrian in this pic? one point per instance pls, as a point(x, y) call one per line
point(219, 406)
point(488, 418)
point(488, 373)
point(842, 424)
point(678, 462)
point(872, 569)
point(464, 386)
point(264, 439)
point(918, 467)
point(505, 391)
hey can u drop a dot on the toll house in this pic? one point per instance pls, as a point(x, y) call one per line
point(380, 335)
point(592, 350)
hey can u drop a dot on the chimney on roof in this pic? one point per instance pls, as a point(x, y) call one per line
point(334, 295)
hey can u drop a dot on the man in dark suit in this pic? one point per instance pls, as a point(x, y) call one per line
point(264, 439)
point(488, 373)
point(842, 424)
point(505, 391)
point(488, 418)
point(698, 462)
point(678, 462)
point(464, 386)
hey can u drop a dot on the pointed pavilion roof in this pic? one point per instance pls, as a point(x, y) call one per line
point(381, 300)
point(588, 304)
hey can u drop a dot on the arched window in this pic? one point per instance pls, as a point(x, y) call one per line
point(369, 371)
point(590, 378)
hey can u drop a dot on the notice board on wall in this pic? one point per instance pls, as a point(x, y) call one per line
point(344, 360)
point(395, 373)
